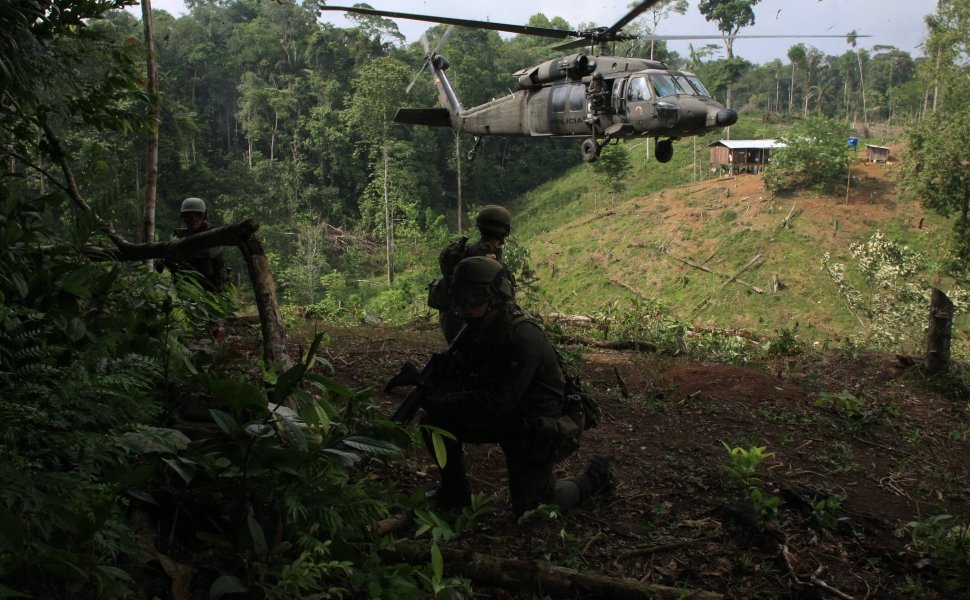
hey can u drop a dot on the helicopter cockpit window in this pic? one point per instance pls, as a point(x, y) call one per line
point(559, 98)
point(637, 90)
point(664, 85)
point(699, 86)
point(577, 97)
point(685, 85)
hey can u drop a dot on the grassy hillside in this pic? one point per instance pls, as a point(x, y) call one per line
point(658, 240)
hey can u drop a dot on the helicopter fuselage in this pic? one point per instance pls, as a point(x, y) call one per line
point(600, 99)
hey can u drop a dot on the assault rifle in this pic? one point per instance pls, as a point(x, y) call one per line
point(431, 371)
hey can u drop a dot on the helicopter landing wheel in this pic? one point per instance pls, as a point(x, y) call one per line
point(664, 150)
point(590, 150)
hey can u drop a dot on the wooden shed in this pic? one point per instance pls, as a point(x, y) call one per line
point(741, 156)
point(877, 154)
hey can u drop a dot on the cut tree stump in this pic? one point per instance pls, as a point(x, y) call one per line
point(939, 335)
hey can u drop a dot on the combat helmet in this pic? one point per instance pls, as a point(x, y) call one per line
point(480, 279)
point(494, 219)
point(192, 205)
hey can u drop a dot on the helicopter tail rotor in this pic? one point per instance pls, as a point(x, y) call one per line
point(429, 54)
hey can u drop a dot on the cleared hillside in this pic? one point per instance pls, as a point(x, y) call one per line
point(721, 252)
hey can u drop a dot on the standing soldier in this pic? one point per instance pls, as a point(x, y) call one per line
point(507, 388)
point(494, 225)
point(207, 263)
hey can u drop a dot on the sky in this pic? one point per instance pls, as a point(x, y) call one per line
point(896, 23)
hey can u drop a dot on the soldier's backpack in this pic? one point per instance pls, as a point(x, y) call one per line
point(439, 295)
point(579, 403)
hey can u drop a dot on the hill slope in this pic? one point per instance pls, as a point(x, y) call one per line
point(684, 244)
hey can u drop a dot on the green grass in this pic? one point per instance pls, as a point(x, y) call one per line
point(589, 252)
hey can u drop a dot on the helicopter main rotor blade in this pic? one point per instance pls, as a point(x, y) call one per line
point(523, 29)
point(635, 12)
point(660, 38)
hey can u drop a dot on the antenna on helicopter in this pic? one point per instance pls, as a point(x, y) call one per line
point(429, 54)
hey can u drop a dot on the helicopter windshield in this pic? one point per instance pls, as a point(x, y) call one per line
point(664, 85)
point(696, 82)
point(685, 84)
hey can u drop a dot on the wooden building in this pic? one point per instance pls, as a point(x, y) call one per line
point(877, 154)
point(741, 156)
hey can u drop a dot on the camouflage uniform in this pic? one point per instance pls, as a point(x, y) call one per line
point(509, 389)
point(208, 263)
point(495, 224)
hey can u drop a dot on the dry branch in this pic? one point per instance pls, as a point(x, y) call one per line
point(627, 287)
point(540, 576)
point(609, 344)
point(726, 277)
point(754, 260)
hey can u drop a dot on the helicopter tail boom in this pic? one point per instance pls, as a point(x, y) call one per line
point(430, 117)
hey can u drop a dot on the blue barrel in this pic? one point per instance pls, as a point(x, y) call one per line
point(853, 142)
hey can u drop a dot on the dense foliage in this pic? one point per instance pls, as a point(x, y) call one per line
point(131, 446)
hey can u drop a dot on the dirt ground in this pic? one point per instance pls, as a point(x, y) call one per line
point(860, 443)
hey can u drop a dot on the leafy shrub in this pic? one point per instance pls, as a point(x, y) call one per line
point(893, 303)
point(815, 156)
point(79, 343)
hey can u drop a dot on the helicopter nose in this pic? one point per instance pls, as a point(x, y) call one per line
point(726, 117)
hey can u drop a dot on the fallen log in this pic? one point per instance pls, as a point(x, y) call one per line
point(539, 576)
point(728, 279)
point(634, 345)
point(240, 234)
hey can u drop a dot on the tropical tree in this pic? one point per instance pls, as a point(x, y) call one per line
point(729, 16)
point(936, 171)
point(661, 11)
point(379, 91)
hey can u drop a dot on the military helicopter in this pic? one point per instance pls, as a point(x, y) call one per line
point(592, 96)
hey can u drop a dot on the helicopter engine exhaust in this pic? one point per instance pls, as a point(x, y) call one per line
point(574, 66)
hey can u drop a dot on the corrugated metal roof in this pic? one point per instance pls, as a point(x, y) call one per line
point(875, 146)
point(748, 144)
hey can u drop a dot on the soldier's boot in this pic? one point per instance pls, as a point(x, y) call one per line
point(595, 478)
point(408, 375)
point(451, 496)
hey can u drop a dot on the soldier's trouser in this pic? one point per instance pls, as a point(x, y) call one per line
point(530, 482)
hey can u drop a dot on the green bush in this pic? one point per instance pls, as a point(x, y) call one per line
point(816, 156)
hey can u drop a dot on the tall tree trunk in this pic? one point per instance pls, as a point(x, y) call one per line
point(862, 86)
point(388, 222)
point(791, 89)
point(151, 185)
point(458, 172)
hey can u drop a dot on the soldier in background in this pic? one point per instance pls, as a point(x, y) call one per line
point(508, 388)
point(208, 263)
point(494, 224)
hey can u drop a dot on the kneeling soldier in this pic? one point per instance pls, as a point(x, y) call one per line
point(508, 388)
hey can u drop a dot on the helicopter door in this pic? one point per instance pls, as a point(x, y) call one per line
point(617, 96)
point(641, 109)
point(567, 109)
